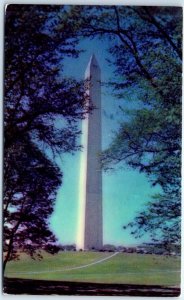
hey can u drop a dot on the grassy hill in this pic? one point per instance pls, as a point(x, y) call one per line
point(122, 268)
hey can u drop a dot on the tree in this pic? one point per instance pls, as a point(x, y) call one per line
point(151, 140)
point(42, 110)
point(146, 52)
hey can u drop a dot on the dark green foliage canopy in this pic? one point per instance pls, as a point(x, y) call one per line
point(148, 65)
point(42, 109)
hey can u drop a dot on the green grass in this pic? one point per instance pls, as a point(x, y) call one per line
point(123, 268)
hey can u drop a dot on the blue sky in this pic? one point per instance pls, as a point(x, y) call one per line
point(125, 191)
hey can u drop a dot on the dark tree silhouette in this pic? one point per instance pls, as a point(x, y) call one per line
point(41, 114)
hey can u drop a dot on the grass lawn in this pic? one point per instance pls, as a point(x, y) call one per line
point(122, 268)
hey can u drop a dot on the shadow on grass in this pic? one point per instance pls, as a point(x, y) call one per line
point(44, 287)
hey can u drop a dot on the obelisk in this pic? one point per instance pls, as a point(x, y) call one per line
point(90, 234)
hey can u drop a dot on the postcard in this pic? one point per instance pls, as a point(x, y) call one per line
point(92, 151)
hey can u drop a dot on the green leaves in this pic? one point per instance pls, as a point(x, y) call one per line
point(148, 70)
point(42, 111)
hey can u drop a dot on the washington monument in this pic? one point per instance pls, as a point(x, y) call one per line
point(90, 232)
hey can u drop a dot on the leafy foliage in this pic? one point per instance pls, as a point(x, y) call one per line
point(151, 140)
point(42, 109)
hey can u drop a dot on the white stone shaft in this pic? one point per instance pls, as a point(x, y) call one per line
point(92, 184)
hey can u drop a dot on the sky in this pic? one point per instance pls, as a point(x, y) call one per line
point(125, 191)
